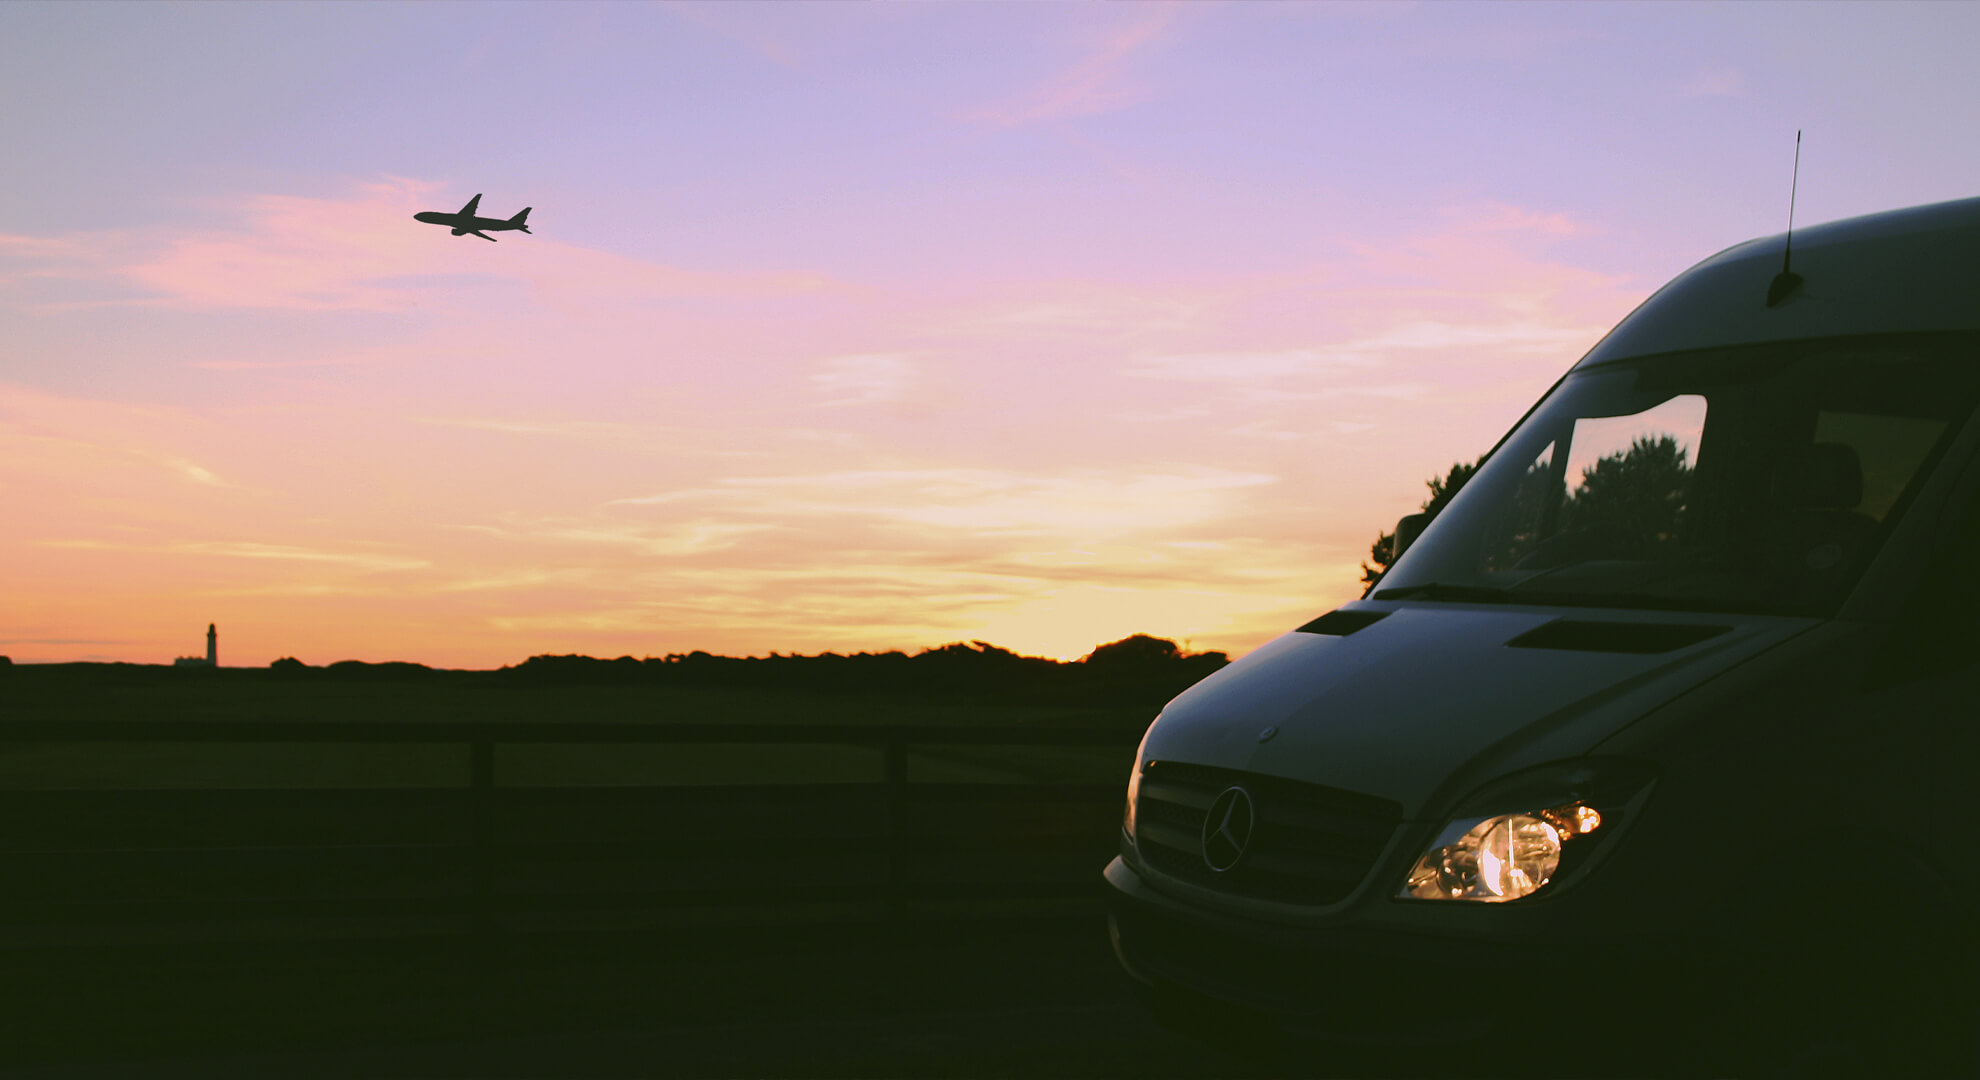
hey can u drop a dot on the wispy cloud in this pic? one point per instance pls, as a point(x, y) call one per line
point(196, 473)
point(690, 537)
point(62, 436)
point(1500, 217)
point(1097, 83)
point(738, 24)
point(1521, 334)
point(1714, 82)
point(1251, 367)
point(1504, 42)
point(1475, 288)
point(1073, 503)
point(371, 562)
point(671, 441)
point(587, 430)
point(278, 365)
point(862, 380)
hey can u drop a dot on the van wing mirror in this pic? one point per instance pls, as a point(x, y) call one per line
point(1407, 530)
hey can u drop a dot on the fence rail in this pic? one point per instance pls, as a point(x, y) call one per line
point(492, 856)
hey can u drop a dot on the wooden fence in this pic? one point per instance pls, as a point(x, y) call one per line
point(88, 863)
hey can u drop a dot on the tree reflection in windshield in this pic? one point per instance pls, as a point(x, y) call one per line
point(1634, 496)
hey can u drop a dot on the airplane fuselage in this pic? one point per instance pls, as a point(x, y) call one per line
point(465, 221)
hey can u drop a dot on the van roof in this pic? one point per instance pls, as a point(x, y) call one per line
point(1914, 269)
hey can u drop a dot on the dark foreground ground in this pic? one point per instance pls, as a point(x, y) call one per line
point(999, 998)
point(957, 998)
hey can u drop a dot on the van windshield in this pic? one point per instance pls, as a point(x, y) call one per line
point(1753, 479)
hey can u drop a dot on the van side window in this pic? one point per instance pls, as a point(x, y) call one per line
point(1889, 450)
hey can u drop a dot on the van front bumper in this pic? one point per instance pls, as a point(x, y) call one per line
point(1358, 984)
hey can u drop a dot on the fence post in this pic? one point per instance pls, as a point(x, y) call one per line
point(481, 796)
point(897, 830)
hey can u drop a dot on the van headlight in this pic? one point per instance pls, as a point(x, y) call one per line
point(1491, 858)
point(1498, 858)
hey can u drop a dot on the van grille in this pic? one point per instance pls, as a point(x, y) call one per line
point(1311, 844)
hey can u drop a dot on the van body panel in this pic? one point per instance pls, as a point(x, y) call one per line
point(1909, 270)
point(1413, 705)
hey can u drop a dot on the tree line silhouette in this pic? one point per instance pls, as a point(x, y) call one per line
point(1135, 669)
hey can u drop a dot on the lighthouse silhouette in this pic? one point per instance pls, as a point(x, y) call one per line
point(212, 651)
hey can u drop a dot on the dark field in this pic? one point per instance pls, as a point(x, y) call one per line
point(943, 998)
point(596, 907)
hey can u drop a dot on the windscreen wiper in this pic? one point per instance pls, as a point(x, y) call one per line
point(1432, 590)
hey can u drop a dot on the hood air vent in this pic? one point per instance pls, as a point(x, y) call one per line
point(1615, 637)
point(1340, 623)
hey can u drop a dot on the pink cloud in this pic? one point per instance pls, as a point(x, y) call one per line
point(1498, 217)
point(868, 379)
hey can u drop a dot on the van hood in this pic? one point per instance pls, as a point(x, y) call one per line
point(1420, 702)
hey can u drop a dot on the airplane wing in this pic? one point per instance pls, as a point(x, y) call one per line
point(483, 235)
point(472, 205)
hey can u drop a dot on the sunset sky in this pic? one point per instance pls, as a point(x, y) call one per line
point(844, 327)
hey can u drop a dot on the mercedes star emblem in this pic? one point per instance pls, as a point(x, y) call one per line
point(1227, 829)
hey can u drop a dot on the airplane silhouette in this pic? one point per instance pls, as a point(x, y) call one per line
point(465, 222)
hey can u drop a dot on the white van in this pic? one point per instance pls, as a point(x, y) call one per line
point(1661, 741)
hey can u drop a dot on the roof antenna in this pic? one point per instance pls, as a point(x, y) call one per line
point(1787, 281)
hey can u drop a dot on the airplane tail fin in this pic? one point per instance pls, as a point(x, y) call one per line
point(521, 221)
